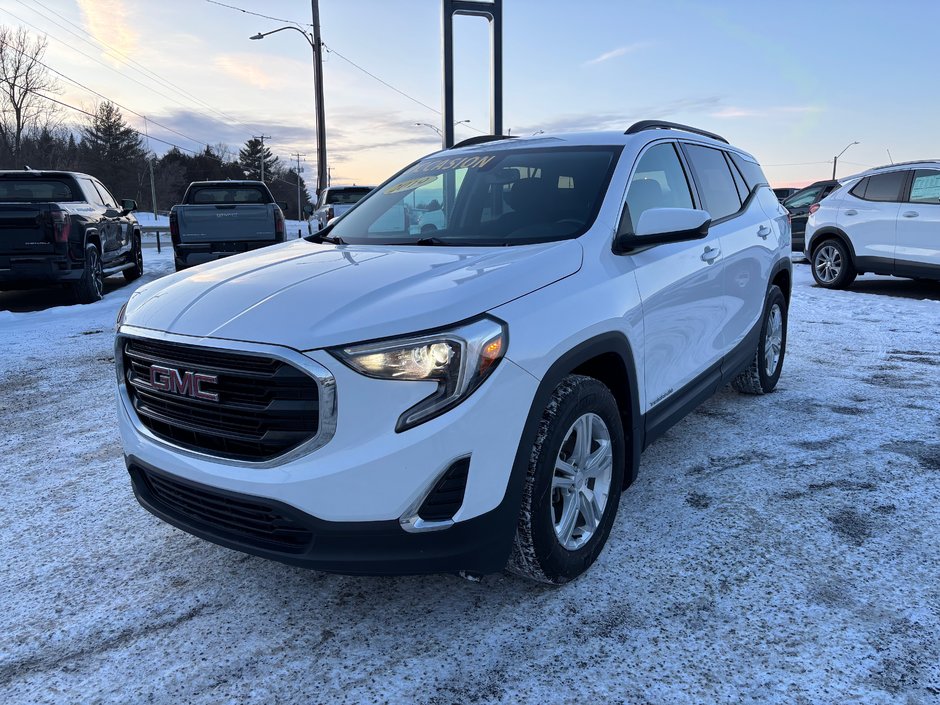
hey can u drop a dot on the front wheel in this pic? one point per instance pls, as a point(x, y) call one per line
point(761, 376)
point(573, 483)
point(832, 265)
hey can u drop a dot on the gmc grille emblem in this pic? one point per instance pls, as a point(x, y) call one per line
point(187, 384)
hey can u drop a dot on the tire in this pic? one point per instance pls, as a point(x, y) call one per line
point(832, 265)
point(90, 287)
point(761, 376)
point(137, 270)
point(555, 482)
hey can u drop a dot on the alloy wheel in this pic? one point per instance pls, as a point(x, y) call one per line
point(773, 340)
point(97, 276)
point(828, 263)
point(581, 481)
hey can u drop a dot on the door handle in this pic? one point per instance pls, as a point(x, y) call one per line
point(763, 232)
point(851, 211)
point(910, 214)
point(710, 254)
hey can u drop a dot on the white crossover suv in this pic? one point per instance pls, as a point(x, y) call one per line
point(373, 400)
point(883, 221)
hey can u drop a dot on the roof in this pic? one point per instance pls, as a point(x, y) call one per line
point(41, 173)
point(926, 163)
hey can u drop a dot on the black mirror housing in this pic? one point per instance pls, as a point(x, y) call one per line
point(128, 205)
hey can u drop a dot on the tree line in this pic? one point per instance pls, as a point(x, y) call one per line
point(33, 134)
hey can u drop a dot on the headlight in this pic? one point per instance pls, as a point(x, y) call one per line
point(120, 318)
point(458, 359)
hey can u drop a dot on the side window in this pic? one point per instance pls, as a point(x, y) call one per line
point(753, 174)
point(714, 181)
point(859, 189)
point(105, 194)
point(882, 187)
point(658, 182)
point(743, 190)
point(803, 198)
point(926, 187)
point(90, 192)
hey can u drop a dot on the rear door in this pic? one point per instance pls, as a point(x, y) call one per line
point(869, 214)
point(746, 237)
point(918, 234)
point(680, 284)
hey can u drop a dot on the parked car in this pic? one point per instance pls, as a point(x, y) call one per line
point(221, 218)
point(883, 221)
point(784, 192)
point(333, 202)
point(799, 204)
point(373, 401)
point(62, 227)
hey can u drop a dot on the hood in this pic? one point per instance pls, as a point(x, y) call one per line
point(305, 295)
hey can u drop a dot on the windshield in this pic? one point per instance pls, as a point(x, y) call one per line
point(36, 190)
point(500, 197)
point(346, 196)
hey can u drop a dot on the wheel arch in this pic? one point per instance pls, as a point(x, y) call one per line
point(832, 233)
point(92, 238)
point(782, 276)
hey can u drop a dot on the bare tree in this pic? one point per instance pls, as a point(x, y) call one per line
point(23, 81)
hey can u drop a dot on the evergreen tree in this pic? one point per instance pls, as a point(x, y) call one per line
point(112, 151)
point(249, 159)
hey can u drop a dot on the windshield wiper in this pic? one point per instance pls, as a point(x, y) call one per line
point(430, 240)
point(333, 240)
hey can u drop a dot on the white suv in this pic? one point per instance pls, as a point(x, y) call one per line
point(377, 401)
point(883, 221)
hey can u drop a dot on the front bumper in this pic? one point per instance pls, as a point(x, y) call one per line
point(477, 545)
point(358, 491)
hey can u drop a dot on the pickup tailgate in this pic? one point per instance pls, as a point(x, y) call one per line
point(225, 222)
point(26, 229)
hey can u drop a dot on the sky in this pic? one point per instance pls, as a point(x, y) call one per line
point(792, 83)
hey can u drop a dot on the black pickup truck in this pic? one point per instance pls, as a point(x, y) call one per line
point(60, 227)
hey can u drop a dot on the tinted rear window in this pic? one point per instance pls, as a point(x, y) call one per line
point(881, 187)
point(228, 194)
point(753, 174)
point(346, 196)
point(38, 190)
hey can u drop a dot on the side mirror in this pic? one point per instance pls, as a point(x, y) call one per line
point(308, 210)
point(659, 226)
point(282, 205)
point(128, 205)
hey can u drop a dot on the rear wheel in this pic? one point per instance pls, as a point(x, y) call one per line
point(90, 287)
point(573, 483)
point(832, 265)
point(137, 270)
point(762, 375)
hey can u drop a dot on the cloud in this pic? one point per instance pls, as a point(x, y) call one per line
point(109, 22)
point(614, 53)
point(734, 112)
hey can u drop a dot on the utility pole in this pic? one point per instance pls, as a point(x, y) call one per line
point(262, 138)
point(300, 215)
point(835, 159)
point(322, 175)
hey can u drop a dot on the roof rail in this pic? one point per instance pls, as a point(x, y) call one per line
point(643, 125)
point(888, 166)
point(481, 139)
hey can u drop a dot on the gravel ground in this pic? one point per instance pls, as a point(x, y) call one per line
point(778, 549)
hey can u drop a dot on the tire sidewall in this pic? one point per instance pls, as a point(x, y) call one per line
point(843, 276)
point(87, 290)
point(558, 563)
point(768, 382)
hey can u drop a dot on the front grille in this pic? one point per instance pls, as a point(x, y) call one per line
point(247, 519)
point(447, 496)
point(265, 406)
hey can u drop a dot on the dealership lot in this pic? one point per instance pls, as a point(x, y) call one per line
point(774, 549)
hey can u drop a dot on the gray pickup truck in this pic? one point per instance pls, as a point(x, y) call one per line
point(221, 218)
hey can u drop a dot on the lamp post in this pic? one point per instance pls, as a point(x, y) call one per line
point(313, 38)
point(835, 159)
point(437, 129)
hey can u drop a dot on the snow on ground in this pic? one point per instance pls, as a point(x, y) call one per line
point(777, 549)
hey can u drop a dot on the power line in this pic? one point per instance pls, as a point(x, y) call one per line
point(136, 65)
point(256, 14)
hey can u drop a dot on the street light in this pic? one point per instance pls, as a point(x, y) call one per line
point(313, 39)
point(436, 128)
point(835, 159)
